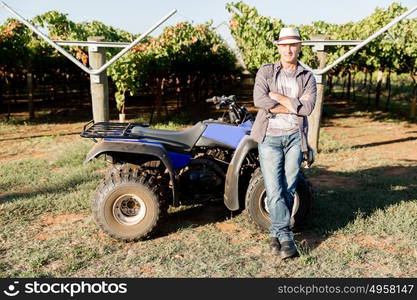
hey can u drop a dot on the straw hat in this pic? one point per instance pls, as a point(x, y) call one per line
point(288, 35)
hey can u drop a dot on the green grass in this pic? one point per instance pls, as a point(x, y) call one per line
point(47, 230)
point(329, 145)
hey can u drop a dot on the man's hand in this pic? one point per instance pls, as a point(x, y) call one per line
point(284, 101)
point(280, 109)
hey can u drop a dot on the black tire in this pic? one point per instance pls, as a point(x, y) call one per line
point(151, 172)
point(255, 203)
point(127, 205)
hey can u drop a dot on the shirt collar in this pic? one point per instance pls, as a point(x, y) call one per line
point(300, 68)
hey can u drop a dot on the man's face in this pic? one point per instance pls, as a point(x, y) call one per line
point(289, 52)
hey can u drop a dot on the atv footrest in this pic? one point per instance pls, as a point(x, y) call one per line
point(110, 130)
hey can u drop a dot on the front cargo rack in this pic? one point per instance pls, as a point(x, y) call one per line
point(110, 130)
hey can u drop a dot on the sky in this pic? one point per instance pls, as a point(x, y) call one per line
point(137, 16)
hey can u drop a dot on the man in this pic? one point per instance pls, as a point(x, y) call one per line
point(285, 94)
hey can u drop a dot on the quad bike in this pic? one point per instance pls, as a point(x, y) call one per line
point(151, 169)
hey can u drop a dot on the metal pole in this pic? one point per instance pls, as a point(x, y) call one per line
point(116, 57)
point(314, 131)
point(47, 39)
point(91, 44)
point(358, 45)
point(362, 44)
point(70, 57)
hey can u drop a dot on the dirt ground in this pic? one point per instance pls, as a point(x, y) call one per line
point(392, 140)
point(374, 143)
point(21, 141)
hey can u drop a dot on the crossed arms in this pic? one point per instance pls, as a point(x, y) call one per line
point(283, 104)
point(278, 103)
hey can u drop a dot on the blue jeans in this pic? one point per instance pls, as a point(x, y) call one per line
point(280, 158)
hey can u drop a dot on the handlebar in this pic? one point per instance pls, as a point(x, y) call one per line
point(221, 99)
point(237, 114)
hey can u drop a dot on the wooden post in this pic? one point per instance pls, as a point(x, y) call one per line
point(314, 118)
point(98, 83)
point(413, 110)
point(29, 84)
point(378, 87)
point(31, 108)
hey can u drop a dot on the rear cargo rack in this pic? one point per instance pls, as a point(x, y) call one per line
point(110, 130)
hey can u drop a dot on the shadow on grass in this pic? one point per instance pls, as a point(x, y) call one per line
point(63, 115)
point(337, 109)
point(344, 196)
point(199, 215)
point(339, 198)
point(39, 136)
point(411, 138)
point(52, 190)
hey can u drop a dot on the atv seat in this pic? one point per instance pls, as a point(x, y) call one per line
point(183, 140)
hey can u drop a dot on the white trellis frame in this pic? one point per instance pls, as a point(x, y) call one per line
point(99, 89)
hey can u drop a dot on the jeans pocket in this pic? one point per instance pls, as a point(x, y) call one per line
point(296, 136)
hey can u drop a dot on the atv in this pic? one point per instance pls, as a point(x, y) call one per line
point(151, 169)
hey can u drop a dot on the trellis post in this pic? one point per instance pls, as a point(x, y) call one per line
point(98, 83)
point(315, 117)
